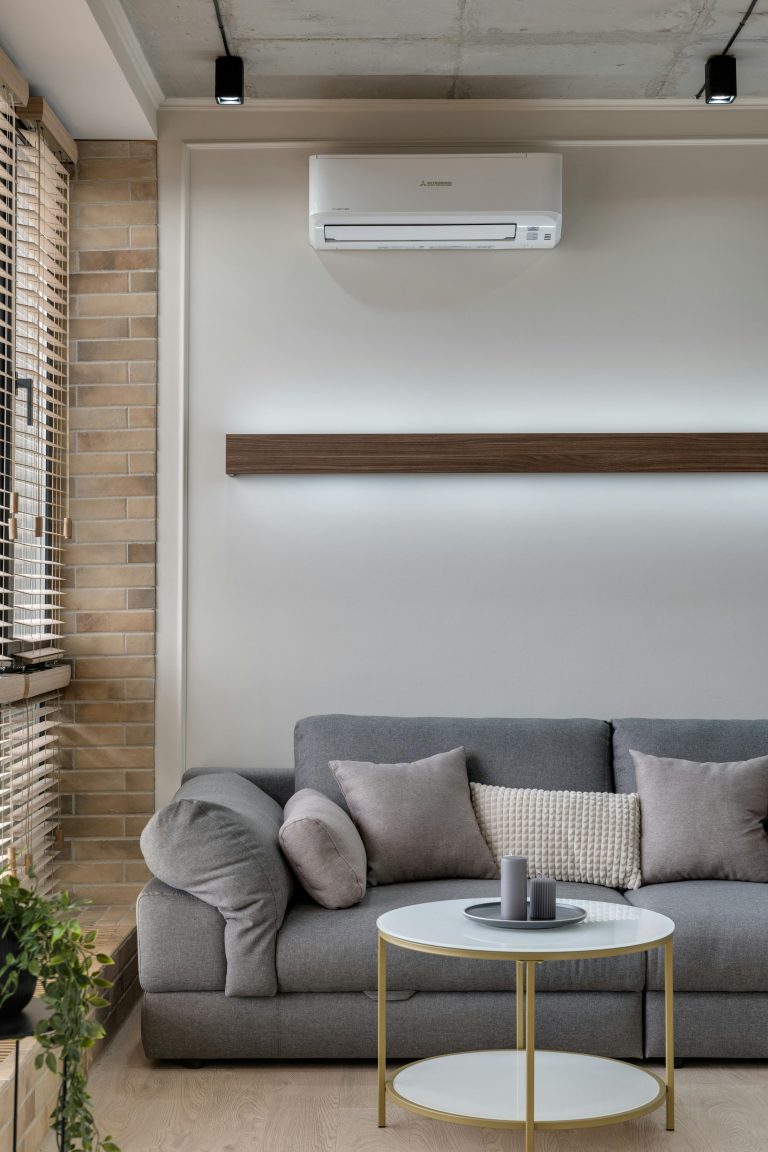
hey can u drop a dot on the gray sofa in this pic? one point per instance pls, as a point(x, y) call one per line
point(325, 1006)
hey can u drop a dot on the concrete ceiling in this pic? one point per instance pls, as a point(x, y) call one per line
point(561, 49)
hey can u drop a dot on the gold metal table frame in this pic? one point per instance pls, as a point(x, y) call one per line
point(525, 1002)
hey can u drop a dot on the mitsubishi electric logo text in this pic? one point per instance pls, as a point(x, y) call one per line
point(436, 184)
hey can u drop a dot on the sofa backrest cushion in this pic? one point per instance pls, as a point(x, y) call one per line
point(218, 840)
point(519, 753)
point(701, 740)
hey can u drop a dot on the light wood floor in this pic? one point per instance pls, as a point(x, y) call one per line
point(330, 1107)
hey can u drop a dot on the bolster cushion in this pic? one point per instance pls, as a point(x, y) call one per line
point(218, 840)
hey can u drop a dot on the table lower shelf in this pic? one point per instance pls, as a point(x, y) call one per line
point(488, 1088)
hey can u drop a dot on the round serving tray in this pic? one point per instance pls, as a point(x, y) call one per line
point(490, 913)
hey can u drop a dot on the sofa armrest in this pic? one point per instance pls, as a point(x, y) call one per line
point(181, 941)
point(279, 783)
point(218, 841)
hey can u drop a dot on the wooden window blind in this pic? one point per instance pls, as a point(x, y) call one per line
point(29, 793)
point(34, 198)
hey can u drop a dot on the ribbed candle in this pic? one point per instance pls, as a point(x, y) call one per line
point(543, 898)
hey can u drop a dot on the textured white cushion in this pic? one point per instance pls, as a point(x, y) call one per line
point(581, 837)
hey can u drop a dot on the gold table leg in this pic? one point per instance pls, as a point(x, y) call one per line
point(382, 1032)
point(520, 1002)
point(530, 1051)
point(669, 1035)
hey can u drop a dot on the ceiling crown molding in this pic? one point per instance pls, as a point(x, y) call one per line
point(119, 34)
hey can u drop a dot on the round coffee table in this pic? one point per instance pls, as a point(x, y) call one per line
point(522, 1087)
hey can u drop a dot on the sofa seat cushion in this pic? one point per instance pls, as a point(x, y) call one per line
point(721, 934)
point(319, 950)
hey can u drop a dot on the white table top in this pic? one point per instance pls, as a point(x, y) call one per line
point(442, 925)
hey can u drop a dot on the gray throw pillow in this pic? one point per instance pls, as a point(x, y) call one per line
point(416, 820)
point(218, 840)
point(702, 821)
point(324, 849)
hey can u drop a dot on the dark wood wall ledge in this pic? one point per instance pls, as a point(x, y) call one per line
point(316, 454)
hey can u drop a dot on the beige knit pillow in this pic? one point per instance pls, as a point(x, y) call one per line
point(582, 837)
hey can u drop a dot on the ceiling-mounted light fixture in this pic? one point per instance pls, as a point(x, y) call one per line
point(720, 80)
point(230, 73)
point(720, 71)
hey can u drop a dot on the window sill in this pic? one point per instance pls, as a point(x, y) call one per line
point(16, 686)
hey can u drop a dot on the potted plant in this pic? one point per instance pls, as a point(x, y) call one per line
point(45, 942)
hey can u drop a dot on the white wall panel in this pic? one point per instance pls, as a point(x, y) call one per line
point(481, 595)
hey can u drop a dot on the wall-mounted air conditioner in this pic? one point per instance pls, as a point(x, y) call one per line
point(491, 201)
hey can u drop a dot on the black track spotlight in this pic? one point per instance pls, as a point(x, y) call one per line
point(230, 80)
point(720, 80)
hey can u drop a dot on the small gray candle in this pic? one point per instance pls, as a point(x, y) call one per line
point(543, 898)
point(514, 888)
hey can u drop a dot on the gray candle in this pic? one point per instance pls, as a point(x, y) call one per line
point(543, 898)
point(514, 888)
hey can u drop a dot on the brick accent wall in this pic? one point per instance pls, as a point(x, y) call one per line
point(108, 737)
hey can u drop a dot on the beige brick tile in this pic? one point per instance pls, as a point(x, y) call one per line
point(143, 326)
point(81, 418)
point(142, 417)
point(142, 236)
point(91, 599)
point(100, 328)
point(97, 239)
point(97, 690)
point(136, 598)
point(140, 735)
point(121, 576)
point(75, 826)
point(89, 644)
point(138, 259)
point(116, 393)
point(140, 644)
point(105, 668)
point(118, 304)
point(76, 736)
point(107, 850)
point(143, 372)
point(97, 780)
point(123, 531)
point(116, 169)
point(112, 756)
point(139, 689)
point(115, 711)
point(143, 781)
point(141, 553)
point(144, 190)
point(140, 463)
point(141, 507)
point(101, 554)
point(90, 149)
point(116, 214)
point(109, 893)
point(112, 373)
point(119, 803)
point(143, 281)
point(115, 621)
point(90, 873)
point(143, 148)
point(135, 825)
point(111, 463)
point(109, 440)
point(95, 283)
point(101, 350)
point(98, 509)
point(137, 871)
point(97, 192)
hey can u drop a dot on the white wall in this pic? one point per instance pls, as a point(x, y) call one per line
point(552, 596)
